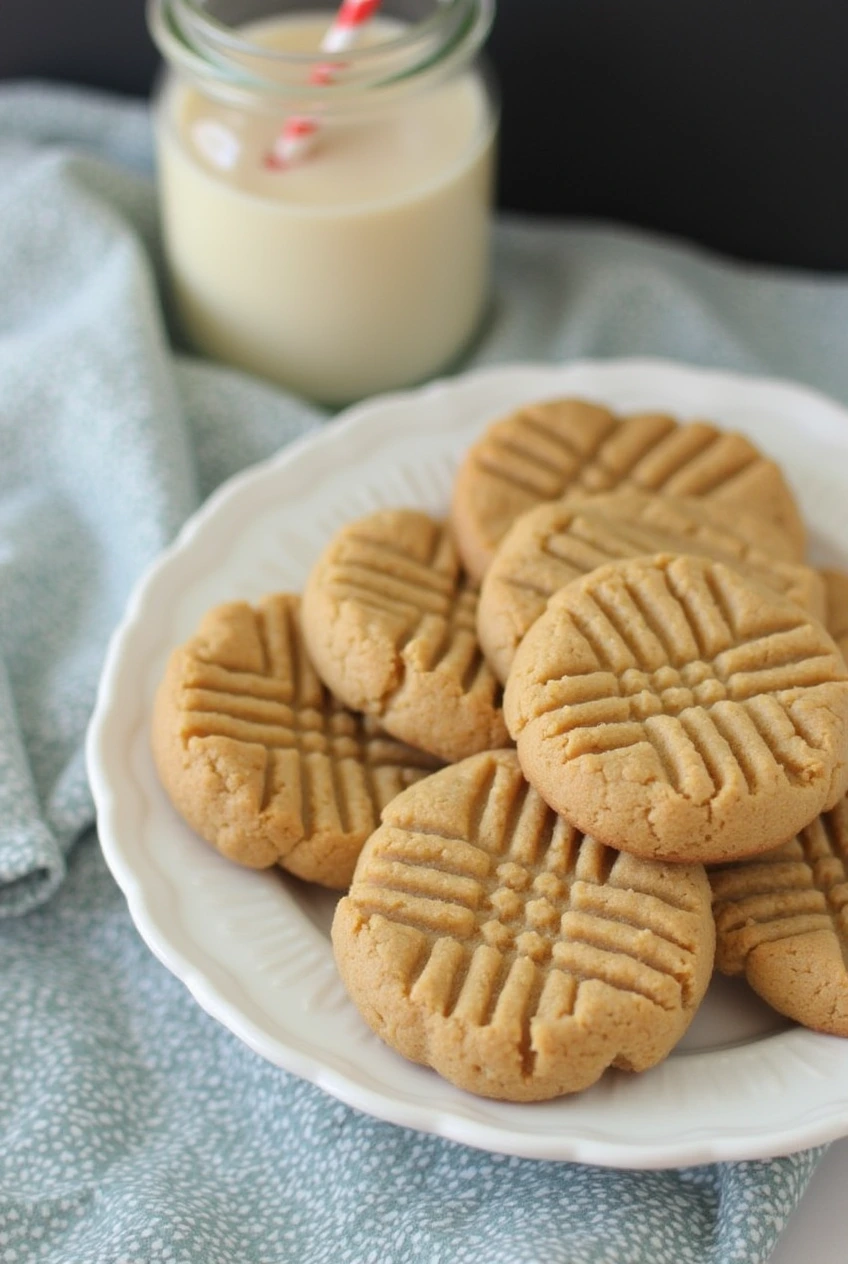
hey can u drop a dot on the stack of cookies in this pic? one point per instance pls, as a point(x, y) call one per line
point(624, 599)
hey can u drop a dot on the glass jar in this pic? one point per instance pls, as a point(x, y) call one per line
point(363, 264)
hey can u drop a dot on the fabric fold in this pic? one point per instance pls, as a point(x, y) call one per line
point(32, 864)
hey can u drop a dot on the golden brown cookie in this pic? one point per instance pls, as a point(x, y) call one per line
point(782, 921)
point(836, 599)
point(258, 757)
point(676, 709)
point(485, 937)
point(390, 624)
point(546, 450)
point(555, 543)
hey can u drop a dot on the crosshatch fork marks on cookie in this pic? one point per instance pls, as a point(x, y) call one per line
point(391, 624)
point(283, 705)
point(643, 658)
point(648, 451)
point(246, 683)
point(517, 912)
point(548, 450)
point(560, 542)
point(795, 890)
point(424, 597)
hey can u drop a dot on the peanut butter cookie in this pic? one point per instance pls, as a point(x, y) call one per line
point(485, 937)
point(676, 709)
point(258, 757)
point(390, 624)
point(782, 921)
point(546, 450)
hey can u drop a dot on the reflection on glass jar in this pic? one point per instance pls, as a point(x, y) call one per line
point(363, 264)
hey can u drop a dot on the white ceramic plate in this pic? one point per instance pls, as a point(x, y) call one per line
point(254, 949)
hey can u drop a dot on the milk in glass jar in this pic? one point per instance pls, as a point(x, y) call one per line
point(325, 181)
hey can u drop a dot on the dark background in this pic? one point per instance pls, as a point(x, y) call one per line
point(722, 121)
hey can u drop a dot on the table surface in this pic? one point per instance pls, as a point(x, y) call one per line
point(818, 1227)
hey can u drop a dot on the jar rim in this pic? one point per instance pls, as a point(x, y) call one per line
point(195, 41)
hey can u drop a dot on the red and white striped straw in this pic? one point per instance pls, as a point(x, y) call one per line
point(298, 133)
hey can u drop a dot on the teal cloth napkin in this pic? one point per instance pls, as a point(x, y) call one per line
point(133, 1128)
